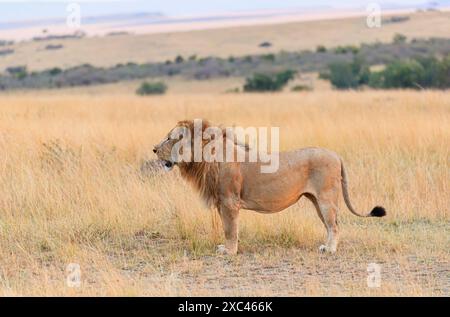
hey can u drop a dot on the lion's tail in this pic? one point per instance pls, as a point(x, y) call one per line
point(377, 211)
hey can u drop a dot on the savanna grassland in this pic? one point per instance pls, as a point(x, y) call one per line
point(73, 191)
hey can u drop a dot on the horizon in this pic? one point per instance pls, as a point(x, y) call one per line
point(22, 11)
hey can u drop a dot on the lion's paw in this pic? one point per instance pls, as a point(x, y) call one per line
point(325, 249)
point(221, 249)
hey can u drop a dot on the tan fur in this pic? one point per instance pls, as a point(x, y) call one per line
point(315, 173)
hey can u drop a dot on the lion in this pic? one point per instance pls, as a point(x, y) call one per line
point(315, 173)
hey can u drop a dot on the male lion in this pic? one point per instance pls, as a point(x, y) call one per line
point(315, 173)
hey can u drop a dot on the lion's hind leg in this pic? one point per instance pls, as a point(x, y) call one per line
point(329, 213)
point(326, 206)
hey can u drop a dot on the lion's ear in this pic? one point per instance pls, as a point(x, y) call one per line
point(205, 124)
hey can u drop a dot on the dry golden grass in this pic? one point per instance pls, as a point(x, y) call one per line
point(237, 41)
point(72, 192)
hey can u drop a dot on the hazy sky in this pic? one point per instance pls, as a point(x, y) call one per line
point(17, 10)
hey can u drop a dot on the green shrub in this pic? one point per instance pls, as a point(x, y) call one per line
point(19, 72)
point(399, 38)
point(376, 80)
point(341, 76)
point(444, 73)
point(325, 75)
point(266, 82)
point(403, 74)
point(14, 70)
point(260, 82)
point(21, 75)
point(179, 59)
point(156, 88)
point(345, 75)
point(282, 78)
point(346, 49)
point(426, 72)
point(268, 57)
point(321, 49)
point(301, 88)
point(248, 59)
point(265, 44)
point(55, 71)
point(430, 76)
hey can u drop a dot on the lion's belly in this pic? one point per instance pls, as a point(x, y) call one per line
point(274, 191)
point(268, 205)
point(302, 171)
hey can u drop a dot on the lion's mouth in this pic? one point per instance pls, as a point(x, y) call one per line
point(168, 165)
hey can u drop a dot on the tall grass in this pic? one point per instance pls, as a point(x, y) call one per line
point(72, 189)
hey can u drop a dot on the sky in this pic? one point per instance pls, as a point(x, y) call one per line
point(23, 10)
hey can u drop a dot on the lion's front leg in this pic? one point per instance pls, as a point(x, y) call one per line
point(230, 226)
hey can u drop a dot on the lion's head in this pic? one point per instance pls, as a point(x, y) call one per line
point(164, 149)
point(203, 175)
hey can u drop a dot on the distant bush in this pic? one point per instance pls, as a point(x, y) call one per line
point(436, 72)
point(345, 75)
point(21, 75)
point(321, 49)
point(301, 88)
point(400, 74)
point(282, 78)
point(422, 72)
point(265, 44)
point(403, 74)
point(55, 71)
point(179, 59)
point(248, 59)
point(399, 38)
point(444, 73)
point(265, 82)
point(16, 69)
point(20, 72)
point(410, 73)
point(395, 19)
point(268, 57)
point(76, 35)
point(346, 49)
point(204, 60)
point(146, 88)
point(54, 47)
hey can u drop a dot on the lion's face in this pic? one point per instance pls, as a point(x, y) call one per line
point(163, 151)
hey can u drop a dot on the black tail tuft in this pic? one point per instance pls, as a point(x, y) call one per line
point(378, 211)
